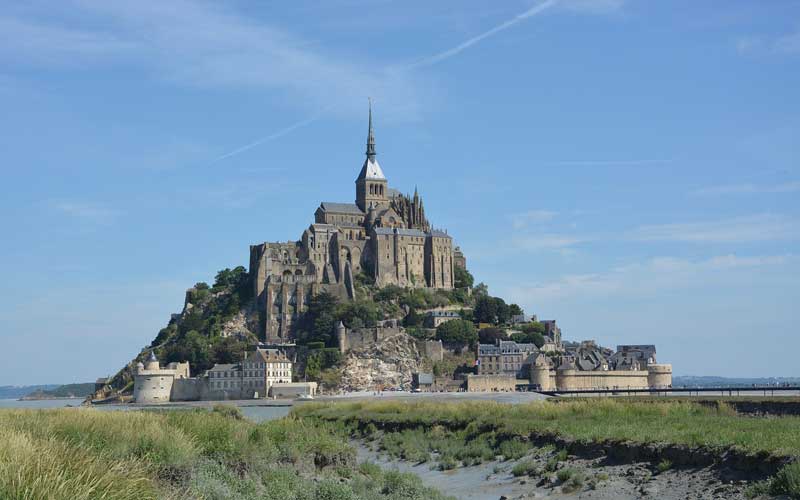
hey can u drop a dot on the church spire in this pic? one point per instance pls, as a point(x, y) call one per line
point(370, 136)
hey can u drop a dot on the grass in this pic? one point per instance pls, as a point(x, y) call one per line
point(678, 422)
point(89, 454)
point(664, 465)
point(785, 482)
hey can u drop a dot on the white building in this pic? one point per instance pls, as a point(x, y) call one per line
point(253, 376)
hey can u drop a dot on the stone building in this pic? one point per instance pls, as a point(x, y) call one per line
point(436, 317)
point(154, 384)
point(505, 357)
point(251, 378)
point(385, 235)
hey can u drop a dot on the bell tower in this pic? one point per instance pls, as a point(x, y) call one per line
point(371, 186)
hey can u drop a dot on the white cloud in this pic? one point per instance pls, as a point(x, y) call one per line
point(523, 220)
point(788, 43)
point(765, 227)
point(787, 187)
point(545, 242)
point(86, 211)
point(654, 275)
point(207, 44)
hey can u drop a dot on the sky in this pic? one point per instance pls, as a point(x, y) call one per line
point(629, 168)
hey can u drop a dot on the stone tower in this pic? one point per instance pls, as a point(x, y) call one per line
point(371, 186)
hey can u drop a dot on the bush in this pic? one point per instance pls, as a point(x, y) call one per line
point(664, 465)
point(524, 468)
point(565, 474)
point(787, 481)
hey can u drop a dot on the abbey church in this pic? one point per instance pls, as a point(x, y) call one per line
point(384, 235)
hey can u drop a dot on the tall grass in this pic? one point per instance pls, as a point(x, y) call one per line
point(88, 454)
point(38, 468)
point(602, 419)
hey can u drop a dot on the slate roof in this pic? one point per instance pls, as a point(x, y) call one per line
point(224, 367)
point(400, 231)
point(371, 170)
point(342, 208)
point(440, 234)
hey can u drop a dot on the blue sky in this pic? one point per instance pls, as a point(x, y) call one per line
point(627, 167)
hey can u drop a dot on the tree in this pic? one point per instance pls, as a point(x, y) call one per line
point(515, 310)
point(485, 310)
point(503, 312)
point(318, 322)
point(193, 348)
point(462, 278)
point(457, 331)
point(358, 313)
point(480, 290)
point(533, 326)
point(528, 338)
point(491, 335)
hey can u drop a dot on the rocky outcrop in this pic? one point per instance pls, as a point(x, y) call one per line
point(387, 364)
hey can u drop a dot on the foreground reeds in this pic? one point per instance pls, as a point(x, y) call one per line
point(87, 454)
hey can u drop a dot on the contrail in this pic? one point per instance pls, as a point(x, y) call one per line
point(273, 136)
point(425, 62)
point(437, 58)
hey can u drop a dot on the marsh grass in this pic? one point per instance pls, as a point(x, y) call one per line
point(679, 422)
point(88, 454)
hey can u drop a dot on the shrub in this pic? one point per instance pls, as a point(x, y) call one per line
point(565, 474)
point(787, 481)
point(228, 411)
point(664, 465)
point(574, 483)
point(524, 468)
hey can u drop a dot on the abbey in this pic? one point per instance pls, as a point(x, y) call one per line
point(384, 235)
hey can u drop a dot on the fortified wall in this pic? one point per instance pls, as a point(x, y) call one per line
point(359, 338)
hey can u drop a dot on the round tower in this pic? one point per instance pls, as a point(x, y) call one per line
point(540, 373)
point(565, 376)
point(659, 375)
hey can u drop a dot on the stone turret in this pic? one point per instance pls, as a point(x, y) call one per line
point(152, 362)
point(659, 375)
point(540, 373)
point(341, 335)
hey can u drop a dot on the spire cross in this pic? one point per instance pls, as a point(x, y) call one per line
point(370, 135)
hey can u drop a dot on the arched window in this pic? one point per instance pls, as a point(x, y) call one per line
point(381, 189)
point(371, 189)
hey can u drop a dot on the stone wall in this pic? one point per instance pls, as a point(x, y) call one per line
point(573, 380)
point(491, 383)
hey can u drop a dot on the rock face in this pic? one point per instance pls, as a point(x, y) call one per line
point(389, 363)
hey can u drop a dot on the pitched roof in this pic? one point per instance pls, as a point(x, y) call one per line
point(343, 208)
point(439, 234)
point(371, 170)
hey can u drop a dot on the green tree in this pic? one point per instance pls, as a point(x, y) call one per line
point(485, 310)
point(462, 278)
point(490, 335)
point(458, 332)
point(318, 322)
point(192, 347)
point(503, 311)
point(358, 313)
point(528, 338)
point(515, 310)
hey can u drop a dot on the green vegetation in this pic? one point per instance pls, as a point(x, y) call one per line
point(524, 468)
point(591, 420)
point(88, 454)
point(63, 391)
point(786, 482)
point(664, 465)
point(454, 363)
point(457, 332)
